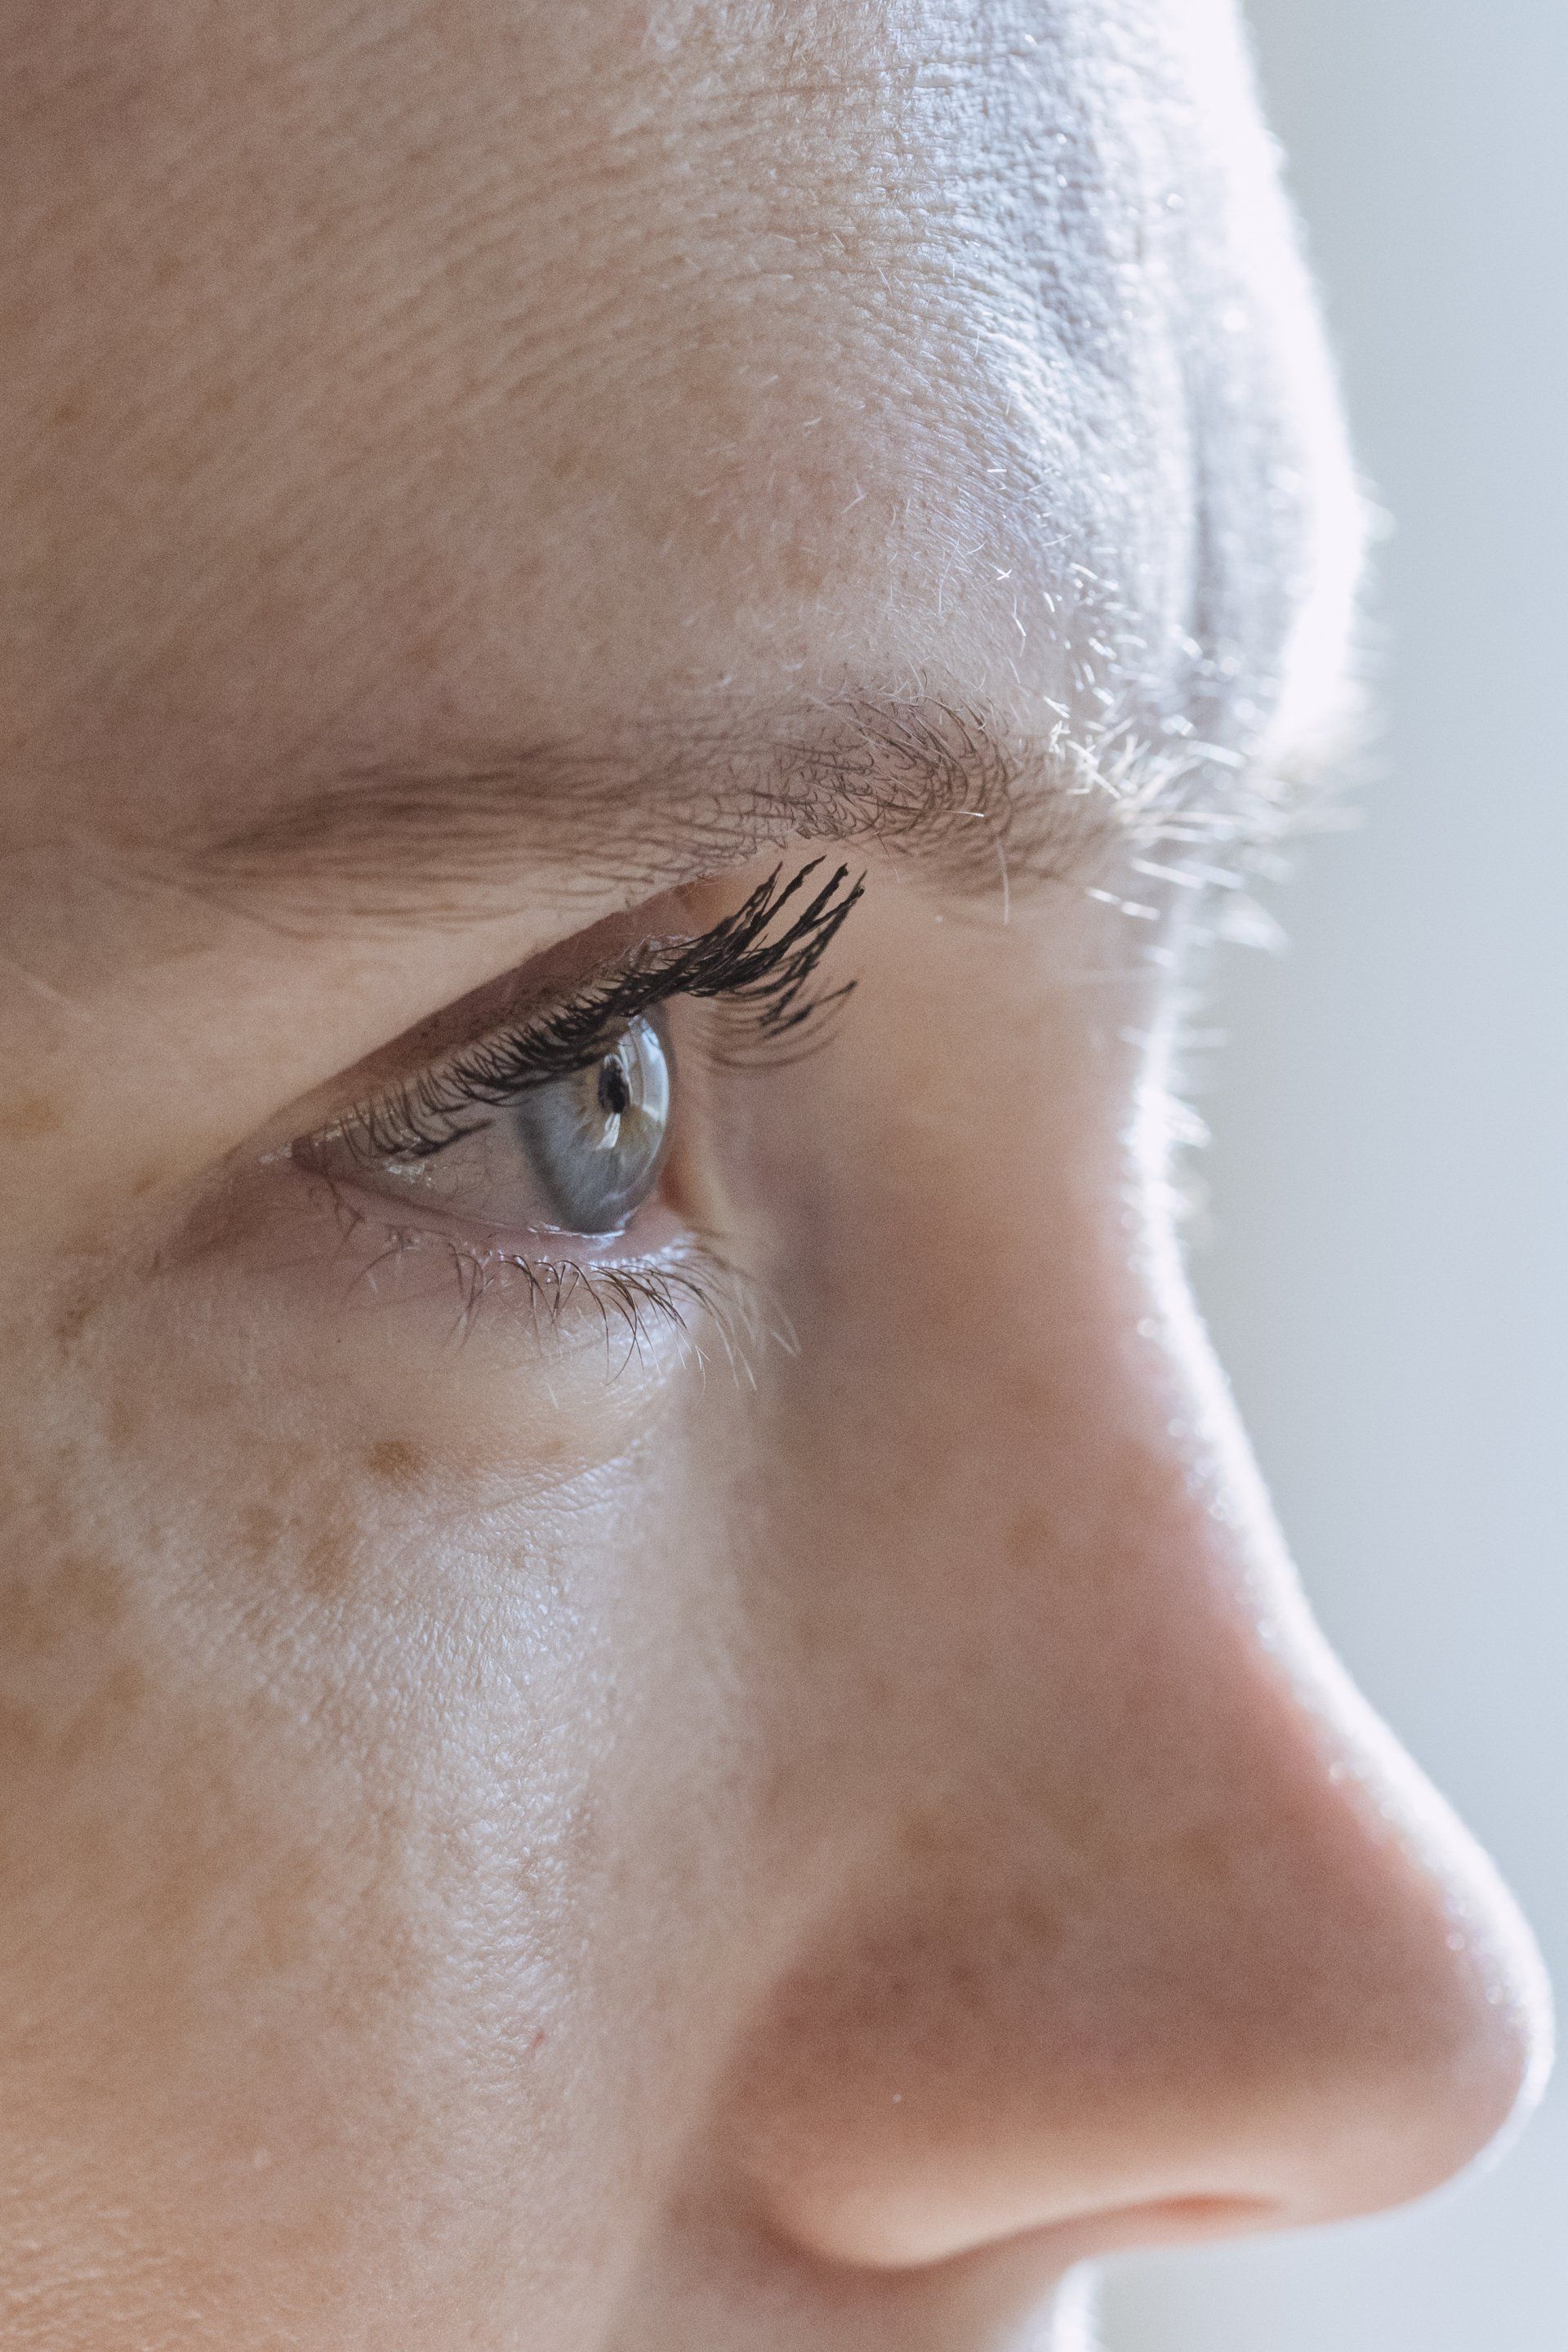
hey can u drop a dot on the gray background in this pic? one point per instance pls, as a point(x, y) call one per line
point(1389, 1275)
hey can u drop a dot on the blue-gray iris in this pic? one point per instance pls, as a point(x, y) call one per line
point(596, 1138)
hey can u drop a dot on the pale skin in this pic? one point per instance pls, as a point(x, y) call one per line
point(791, 1808)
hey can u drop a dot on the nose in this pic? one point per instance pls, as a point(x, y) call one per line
point(1128, 1922)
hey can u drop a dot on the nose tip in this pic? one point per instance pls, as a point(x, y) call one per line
point(1433, 1985)
point(1317, 2003)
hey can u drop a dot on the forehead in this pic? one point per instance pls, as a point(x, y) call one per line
point(441, 371)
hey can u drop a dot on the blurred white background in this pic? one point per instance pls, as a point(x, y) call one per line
point(1389, 1277)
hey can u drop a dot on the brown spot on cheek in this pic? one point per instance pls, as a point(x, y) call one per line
point(317, 1535)
point(28, 1120)
point(317, 1538)
point(72, 1321)
point(42, 1610)
point(394, 1461)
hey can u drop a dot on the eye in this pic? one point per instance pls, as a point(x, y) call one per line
point(563, 1125)
point(577, 1154)
point(597, 1139)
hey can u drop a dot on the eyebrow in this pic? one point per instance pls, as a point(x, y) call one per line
point(671, 801)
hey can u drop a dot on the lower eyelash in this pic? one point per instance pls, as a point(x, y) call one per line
point(693, 1291)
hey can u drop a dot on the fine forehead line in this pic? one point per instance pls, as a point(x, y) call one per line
point(643, 808)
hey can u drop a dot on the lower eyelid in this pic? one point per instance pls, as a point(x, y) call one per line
point(654, 1230)
point(660, 1269)
point(646, 1293)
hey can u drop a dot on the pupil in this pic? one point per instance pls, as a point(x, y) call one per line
point(615, 1094)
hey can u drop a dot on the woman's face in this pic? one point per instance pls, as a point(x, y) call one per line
point(647, 1700)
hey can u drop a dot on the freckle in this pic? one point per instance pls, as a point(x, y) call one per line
point(39, 1613)
point(72, 1321)
point(28, 1120)
point(394, 1460)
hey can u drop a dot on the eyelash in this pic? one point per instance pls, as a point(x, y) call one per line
point(766, 979)
point(642, 1301)
point(747, 962)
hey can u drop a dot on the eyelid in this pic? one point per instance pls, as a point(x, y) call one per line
point(504, 1002)
point(547, 1030)
point(743, 957)
point(444, 1082)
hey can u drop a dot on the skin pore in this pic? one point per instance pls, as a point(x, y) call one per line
point(761, 1779)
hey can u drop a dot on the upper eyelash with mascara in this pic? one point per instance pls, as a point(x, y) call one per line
point(746, 959)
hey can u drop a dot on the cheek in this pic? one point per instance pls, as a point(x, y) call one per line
point(304, 1759)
